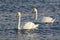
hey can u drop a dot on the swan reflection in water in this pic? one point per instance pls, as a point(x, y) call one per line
point(27, 35)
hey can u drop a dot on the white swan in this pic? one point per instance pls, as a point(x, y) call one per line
point(28, 25)
point(43, 19)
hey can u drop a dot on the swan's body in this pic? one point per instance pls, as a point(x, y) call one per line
point(46, 20)
point(43, 19)
point(28, 25)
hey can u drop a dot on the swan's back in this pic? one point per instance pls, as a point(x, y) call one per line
point(46, 19)
point(30, 25)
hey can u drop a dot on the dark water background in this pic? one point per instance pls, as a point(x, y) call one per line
point(8, 19)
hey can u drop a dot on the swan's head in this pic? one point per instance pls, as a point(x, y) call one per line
point(35, 10)
point(19, 14)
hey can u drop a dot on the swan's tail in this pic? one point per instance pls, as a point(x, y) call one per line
point(53, 20)
point(36, 26)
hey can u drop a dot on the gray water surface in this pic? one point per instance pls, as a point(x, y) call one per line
point(8, 19)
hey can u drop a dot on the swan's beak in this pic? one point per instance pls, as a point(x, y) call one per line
point(34, 10)
point(18, 14)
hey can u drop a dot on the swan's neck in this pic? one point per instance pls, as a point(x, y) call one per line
point(36, 15)
point(19, 17)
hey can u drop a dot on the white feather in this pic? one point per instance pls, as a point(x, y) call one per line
point(28, 25)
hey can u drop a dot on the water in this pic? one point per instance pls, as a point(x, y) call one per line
point(8, 19)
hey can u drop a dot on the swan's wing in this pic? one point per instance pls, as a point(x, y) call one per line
point(30, 25)
point(47, 19)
